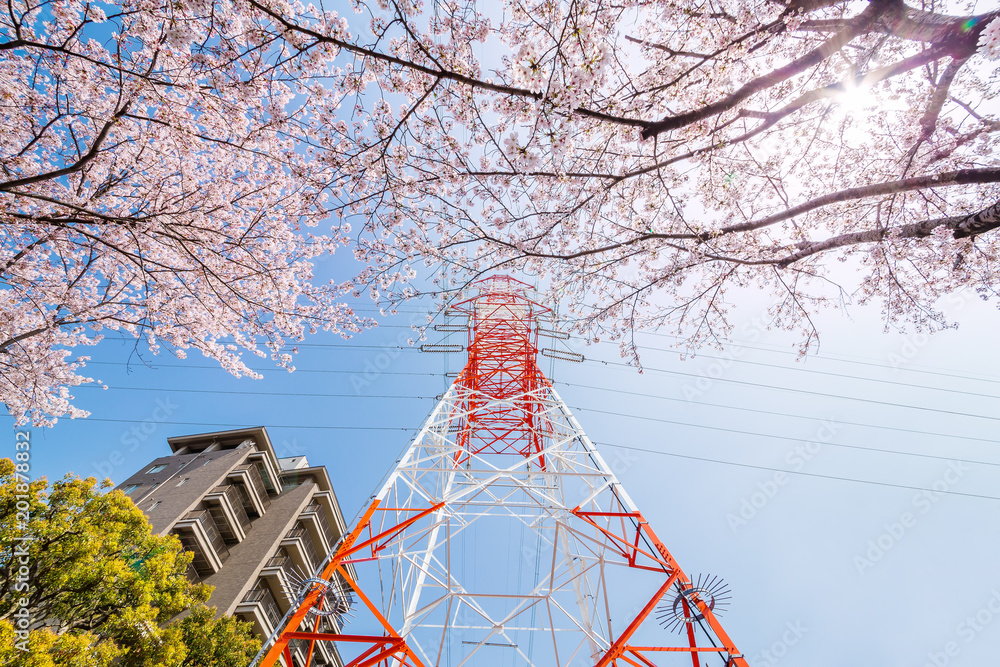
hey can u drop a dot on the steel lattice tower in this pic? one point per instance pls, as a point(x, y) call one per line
point(502, 537)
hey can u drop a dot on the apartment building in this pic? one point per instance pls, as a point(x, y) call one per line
point(257, 524)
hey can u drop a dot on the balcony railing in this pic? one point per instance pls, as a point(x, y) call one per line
point(330, 624)
point(263, 598)
point(303, 535)
point(298, 648)
point(282, 567)
point(250, 487)
point(232, 494)
point(253, 470)
point(198, 533)
point(278, 561)
point(204, 518)
point(248, 506)
point(320, 512)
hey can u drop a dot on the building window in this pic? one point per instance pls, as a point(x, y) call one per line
point(130, 488)
point(153, 506)
point(155, 484)
point(183, 479)
point(162, 466)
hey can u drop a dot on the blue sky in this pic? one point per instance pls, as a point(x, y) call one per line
point(878, 569)
point(750, 464)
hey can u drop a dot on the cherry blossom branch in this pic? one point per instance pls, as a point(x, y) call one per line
point(949, 35)
point(95, 148)
point(22, 253)
point(475, 84)
point(797, 66)
point(962, 226)
point(669, 51)
point(958, 177)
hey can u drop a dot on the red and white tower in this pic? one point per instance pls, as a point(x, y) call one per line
point(501, 537)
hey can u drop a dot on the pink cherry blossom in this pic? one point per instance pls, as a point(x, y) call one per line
point(650, 161)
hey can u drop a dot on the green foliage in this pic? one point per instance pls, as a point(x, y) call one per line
point(47, 649)
point(102, 586)
point(217, 642)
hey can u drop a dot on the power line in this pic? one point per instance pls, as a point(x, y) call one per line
point(777, 414)
point(390, 347)
point(785, 437)
point(435, 312)
point(799, 472)
point(594, 361)
point(809, 370)
point(262, 393)
point(243, 425)
point(155, 365)
point(415, 397)
point(840, 359)
point(839, 375)
point(569, 384)
point(577, 408)
point(802, 391)
point(848, 359)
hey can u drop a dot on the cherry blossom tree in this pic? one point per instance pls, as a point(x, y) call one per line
point(650, 160)
point(153, 185)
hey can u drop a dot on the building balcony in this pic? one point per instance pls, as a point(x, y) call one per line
point(298, 648)
point(299, 540)
point(199, 534)
point(253, 494)
point(280, 571)
point(258, 607)
point(276, 571)
point(226, 506)
point(270, 475)
point(314, 517)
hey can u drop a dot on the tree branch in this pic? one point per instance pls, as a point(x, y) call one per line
point(857, 26)
point(962, 226)
point(79, 164)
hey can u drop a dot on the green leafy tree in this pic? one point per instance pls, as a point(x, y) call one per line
point(101, 587)
point(216, 642)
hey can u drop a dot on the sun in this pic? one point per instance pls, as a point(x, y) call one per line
point(853, 99)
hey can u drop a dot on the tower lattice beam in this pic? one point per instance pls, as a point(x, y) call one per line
point(502, 536)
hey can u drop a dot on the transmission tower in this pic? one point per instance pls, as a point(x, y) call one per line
point(501, 537)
